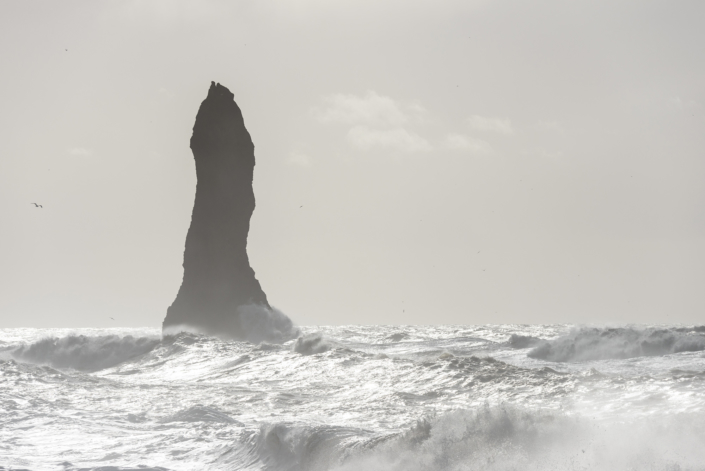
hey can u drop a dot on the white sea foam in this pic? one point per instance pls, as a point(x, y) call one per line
point(312, 343)
point(488, 438)
point(200, 413)
point(348, 398)
point(592, 343)
point(266, 325)
point(256, 323)
point(84, 353)
point(509, 438)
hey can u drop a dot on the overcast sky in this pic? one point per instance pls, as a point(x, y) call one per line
point(457, 162)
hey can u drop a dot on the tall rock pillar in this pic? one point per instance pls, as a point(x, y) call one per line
point(219, 294)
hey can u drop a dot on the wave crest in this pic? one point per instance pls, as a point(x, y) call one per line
point(586, 344)
point(201, 413)
point(488, 438)
point(505, 438)
point(312, 343)
point(84, 353)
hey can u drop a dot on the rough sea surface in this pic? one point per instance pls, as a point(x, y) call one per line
point(505, 397)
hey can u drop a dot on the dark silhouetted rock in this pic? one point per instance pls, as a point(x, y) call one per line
point(219, 294)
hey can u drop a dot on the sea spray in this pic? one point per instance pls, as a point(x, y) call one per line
point(593, 343)
point(85, 353)
point(347, 398)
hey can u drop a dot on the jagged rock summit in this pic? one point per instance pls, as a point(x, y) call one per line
point(219, 294)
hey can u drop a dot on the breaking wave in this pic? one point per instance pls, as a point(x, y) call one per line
point(351, 398)
point(312, 343)
point(85, 353)
point(262, 324)
point(200, 413)
point(254, 323)
point(522, 341)
point(506, 438)
point(489, 438)
point(586, 344)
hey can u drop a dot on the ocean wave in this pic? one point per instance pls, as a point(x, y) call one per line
point(523, 341)
point(200, 413)
point(266, 325)
point(586, 344)
point(312, 343)
point(287, 446)
point(504, 438)
point(199, 402)
point(254, 323)
point(68, 467)
point(84, 353)
point(291, 447)
point(397, 337)
point(12, 371)
point(488, 438)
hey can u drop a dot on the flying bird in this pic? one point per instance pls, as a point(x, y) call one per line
point(37, 205)
point(112, 318)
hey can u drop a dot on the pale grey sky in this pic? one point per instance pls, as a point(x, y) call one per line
point(457, 162)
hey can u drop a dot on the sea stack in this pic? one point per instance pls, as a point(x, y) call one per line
point(219, 294)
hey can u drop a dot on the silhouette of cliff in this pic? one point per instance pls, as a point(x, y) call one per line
point(219, 294)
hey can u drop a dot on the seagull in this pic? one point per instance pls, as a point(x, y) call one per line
point(112, 318)
point(301, 206)
point(37, 205)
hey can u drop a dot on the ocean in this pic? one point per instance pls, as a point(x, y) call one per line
point(454, 397)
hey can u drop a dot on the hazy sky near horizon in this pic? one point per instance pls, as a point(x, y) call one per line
point(457, 162)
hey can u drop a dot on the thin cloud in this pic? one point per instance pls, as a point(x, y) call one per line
point(466, 143)
point(297, 158)
point(398, 138)
point(499, 125)
point(371, 109)
point(80, 151)
point(375, 121)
